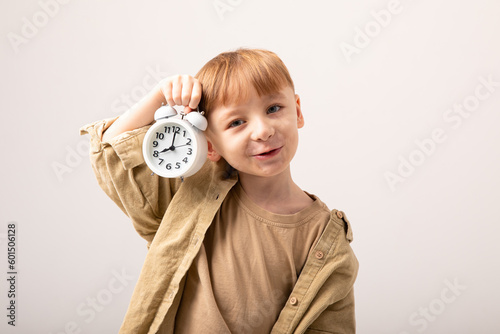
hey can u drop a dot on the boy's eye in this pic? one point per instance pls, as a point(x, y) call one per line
point(273, 109)
point(236, 123)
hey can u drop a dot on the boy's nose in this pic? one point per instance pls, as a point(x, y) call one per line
point(262, 130)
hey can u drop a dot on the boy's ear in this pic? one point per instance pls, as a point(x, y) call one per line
point(212, 153)
point(300, 117)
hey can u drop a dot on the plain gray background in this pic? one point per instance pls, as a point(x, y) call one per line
point(378, 80)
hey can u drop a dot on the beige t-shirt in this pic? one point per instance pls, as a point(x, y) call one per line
point(247, 266)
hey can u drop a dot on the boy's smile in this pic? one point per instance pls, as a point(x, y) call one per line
point(268, 154)
point(258, 136)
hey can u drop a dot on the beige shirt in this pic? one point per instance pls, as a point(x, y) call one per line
point(247, 266)
point(174, 218)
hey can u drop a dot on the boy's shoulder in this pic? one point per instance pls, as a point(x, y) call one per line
point(213, 177)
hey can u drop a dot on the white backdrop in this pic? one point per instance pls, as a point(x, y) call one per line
point(401, 101)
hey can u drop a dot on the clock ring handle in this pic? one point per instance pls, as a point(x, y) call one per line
point(197, 120)
point(165, 111)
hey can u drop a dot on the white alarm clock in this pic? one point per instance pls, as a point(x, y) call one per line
point(175, 146)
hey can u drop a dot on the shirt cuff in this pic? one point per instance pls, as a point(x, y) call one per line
point(127, 146)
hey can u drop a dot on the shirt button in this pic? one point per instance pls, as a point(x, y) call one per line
point(339, 214)
point(319, 254)
point(293, 301)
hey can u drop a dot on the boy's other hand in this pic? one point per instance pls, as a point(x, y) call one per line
point(181, 90)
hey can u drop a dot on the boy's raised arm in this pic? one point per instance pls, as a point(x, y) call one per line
point(118, 163)
point(175, 90)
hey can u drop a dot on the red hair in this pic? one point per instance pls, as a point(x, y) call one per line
point(227, 78)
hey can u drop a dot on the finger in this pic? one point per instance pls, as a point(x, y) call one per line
point(166, 89)
point(187, 88)
point(195, 95)
point(177, 90)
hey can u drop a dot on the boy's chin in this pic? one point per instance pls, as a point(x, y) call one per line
point(268, 173)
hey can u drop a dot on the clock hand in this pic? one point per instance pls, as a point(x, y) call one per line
point(172, 147)
point(173, 140)
point(165, 150)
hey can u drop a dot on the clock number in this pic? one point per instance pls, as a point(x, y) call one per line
point(177, 129)
point(177, 165)
point(160, 135)
point(189, 141)
point(155, 143)
point(161, 161)
point(169, 166)
point(155, 154)
point(185, 160)
point(184, 133)
point(190, 151)
point(167, 129)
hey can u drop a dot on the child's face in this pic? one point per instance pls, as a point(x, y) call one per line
point(258, 136)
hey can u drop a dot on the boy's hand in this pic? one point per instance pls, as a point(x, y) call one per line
point(181, 90)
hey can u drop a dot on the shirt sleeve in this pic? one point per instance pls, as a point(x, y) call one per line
point(121, 172)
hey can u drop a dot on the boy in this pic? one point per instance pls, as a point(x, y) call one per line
point(238, 247)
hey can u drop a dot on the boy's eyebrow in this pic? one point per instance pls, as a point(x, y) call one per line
point(274, 95)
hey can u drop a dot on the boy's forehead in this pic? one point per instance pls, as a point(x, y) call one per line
point(251, 96)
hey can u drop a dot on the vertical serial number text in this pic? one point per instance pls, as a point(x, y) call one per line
point(11, 273)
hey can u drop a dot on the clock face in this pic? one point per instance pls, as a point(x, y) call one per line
point(171, 148)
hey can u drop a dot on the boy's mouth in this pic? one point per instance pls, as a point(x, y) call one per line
point(269, 153)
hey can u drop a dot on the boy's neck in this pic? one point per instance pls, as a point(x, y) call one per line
point(277, 194)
